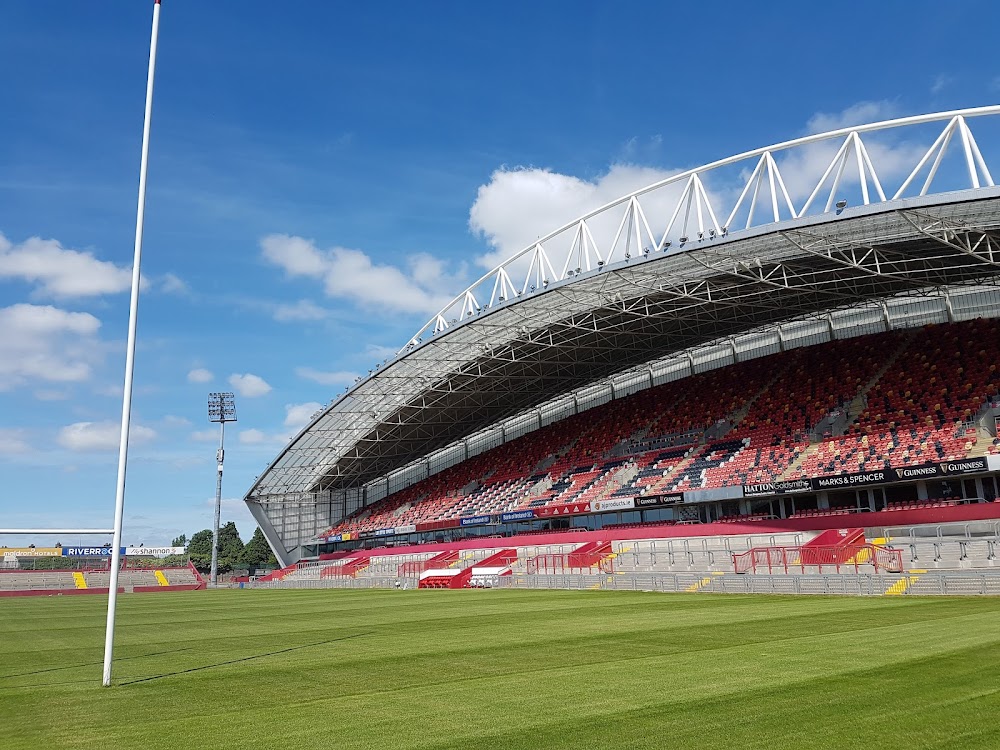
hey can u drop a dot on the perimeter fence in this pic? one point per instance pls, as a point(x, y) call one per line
point(951, 583)
point(863, 584)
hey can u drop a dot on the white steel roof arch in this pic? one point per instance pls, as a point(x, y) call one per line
point(694, 195)
point(526, 341)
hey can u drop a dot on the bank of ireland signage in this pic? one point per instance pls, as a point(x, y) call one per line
point(476, 520)
point(517, 515)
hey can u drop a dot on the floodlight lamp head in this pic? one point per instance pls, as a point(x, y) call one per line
point(221, 407)
point(841, 204)
point(683, 240)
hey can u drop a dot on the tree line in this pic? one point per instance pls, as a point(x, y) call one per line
point(233, 553)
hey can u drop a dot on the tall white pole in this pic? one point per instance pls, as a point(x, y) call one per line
point(214, 575)
point(109, 636)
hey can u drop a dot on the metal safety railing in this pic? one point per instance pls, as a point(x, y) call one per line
point(568, 563)
point(863, 584)
point(843, 557)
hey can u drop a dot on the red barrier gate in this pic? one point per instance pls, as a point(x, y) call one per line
point(840, 558)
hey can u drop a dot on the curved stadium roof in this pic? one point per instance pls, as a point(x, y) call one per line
point(607, 294)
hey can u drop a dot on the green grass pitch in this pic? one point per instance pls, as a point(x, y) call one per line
point(501, 669)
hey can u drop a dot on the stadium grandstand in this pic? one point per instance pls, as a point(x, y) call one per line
point(39, 571)
point(727, 365)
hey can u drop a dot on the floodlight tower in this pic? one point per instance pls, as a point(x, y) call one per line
point(221, 409)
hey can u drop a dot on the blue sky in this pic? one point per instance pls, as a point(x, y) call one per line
point(323, 175)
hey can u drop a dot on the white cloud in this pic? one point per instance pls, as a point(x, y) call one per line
point(46, 394)
point(380, 352)
point(941, 82)
point(234, 509)
point(249, 385)
point(336, 377)
point(45, 343)
point(425, 287)
point(802, 167)
point(298, 416)
point(301, 310)
point(172, 420)
point(13, 442)
point(60, 272)
point(856, 114)
point(252, 437)
point(207, 435)
point(200, 375)
point(518, 205)
point(171, 283)
point(100, 436)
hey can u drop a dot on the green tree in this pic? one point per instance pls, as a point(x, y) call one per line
point(180, 541)
point(230, 547)
point(257, 552)
point(201, 543)
point(200, 550)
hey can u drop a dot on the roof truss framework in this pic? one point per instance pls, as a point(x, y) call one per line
point(694, 208)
